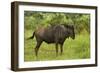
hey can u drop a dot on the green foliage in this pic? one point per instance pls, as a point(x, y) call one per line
point(36, 19)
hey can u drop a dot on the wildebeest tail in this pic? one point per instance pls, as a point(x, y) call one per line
point(32, 36)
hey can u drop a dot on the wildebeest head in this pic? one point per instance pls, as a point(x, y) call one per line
point(70, 31)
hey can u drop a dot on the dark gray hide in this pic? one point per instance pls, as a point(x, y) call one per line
point(54, 34)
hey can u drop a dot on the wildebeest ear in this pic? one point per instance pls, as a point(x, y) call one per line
point(68, 25)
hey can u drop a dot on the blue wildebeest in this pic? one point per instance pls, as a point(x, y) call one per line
point(53, 34)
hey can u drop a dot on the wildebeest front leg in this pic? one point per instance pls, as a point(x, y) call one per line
point(61, 48)
point(56, 49)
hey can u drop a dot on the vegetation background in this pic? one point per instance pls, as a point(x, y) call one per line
point(73, 49)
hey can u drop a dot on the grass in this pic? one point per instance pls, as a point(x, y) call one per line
point(73, 49)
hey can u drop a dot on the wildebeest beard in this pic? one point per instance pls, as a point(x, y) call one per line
point(53, 34)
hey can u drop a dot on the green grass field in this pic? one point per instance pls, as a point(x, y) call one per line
point(73, 49)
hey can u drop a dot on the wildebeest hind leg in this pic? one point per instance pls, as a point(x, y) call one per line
point(37, 48)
